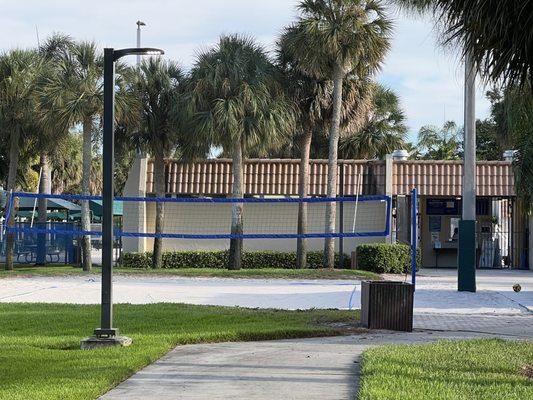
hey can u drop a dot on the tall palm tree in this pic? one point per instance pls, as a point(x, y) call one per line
point(50, 134)
point(498, 34)
point(18, 72)
point(237, 105)
point(310, 96)
point(383, 132)
point(160, 88)
point(332, 39)
point(74, 95)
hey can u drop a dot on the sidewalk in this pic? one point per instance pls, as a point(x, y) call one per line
point(306, 369)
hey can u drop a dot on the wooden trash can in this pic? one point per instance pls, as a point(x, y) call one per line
point(387, 305)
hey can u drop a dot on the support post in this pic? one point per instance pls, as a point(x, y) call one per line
point(414, 234)
point(467, 226)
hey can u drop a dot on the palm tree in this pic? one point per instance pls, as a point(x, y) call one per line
point(65, 164)
point(50, 134)
point(330, 40)
point(383, 132)
point(74, 95)
point(237, 105)
point(18, 72)
point(160, 88)
point(497, 33)
point(310, 97)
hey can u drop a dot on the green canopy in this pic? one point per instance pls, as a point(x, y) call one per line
point(97, 209)
point(57, 216)
point(28, 204)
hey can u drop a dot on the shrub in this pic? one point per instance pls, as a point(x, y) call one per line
point(219, 259)
point(137, 260)
point(386, 258)
point(195, 259)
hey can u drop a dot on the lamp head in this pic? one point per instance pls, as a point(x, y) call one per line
point(140, 51)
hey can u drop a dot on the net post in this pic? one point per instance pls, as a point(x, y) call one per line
point(341, 216)
point(414, 234)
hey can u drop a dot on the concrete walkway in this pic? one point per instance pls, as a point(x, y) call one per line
point(305, 369)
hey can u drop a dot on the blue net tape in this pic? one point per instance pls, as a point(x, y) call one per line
point(118, 233)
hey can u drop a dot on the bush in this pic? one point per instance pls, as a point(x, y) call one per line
point(137, 260)
point(219, 259)
point(386, 258)
point(195, 259)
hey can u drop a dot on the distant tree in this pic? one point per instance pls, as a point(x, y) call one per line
point(238, 105)
point(512, 111)
point(441, 143)
point(331, 40)
point(488, 143)
point(383, 132)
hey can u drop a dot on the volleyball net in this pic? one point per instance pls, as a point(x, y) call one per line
point(210, 218)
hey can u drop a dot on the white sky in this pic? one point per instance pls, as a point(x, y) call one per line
point(427, 78)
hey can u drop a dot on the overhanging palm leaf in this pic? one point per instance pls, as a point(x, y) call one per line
point(498, 34)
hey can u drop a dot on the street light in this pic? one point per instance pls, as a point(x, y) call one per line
point(139, 24)
point(106, 335)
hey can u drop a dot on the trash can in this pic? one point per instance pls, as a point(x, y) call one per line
point(387, 305)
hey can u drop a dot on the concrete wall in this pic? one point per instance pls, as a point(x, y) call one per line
point(135, 212)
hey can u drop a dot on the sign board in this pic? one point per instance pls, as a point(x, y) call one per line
point(443, 207)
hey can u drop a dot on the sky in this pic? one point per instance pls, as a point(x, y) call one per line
point(427, 78)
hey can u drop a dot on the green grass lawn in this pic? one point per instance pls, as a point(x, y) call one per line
point(39, 344)
point(469, 370)
point(28, 270)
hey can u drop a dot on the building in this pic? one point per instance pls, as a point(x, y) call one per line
point(502, 235)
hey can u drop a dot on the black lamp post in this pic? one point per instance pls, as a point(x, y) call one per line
point(107, 334)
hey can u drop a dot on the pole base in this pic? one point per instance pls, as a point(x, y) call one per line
point(94, 342)
point(105, 333)
point(467, 256)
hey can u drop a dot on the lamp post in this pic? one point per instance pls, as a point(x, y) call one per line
point(107, 335)
point(139, 24)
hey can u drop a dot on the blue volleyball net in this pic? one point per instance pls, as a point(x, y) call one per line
point(209, 218)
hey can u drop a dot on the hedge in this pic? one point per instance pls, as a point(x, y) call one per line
point(219, 259)
point(386, 258)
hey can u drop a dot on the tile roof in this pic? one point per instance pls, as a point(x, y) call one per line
point(280, 177)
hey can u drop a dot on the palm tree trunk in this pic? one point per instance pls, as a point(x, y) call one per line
point(303, 191)
point(86, 190)
point(11, 186)
point(42, 205)
point(236, 245)
point(159, 177)
point(331, 208)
